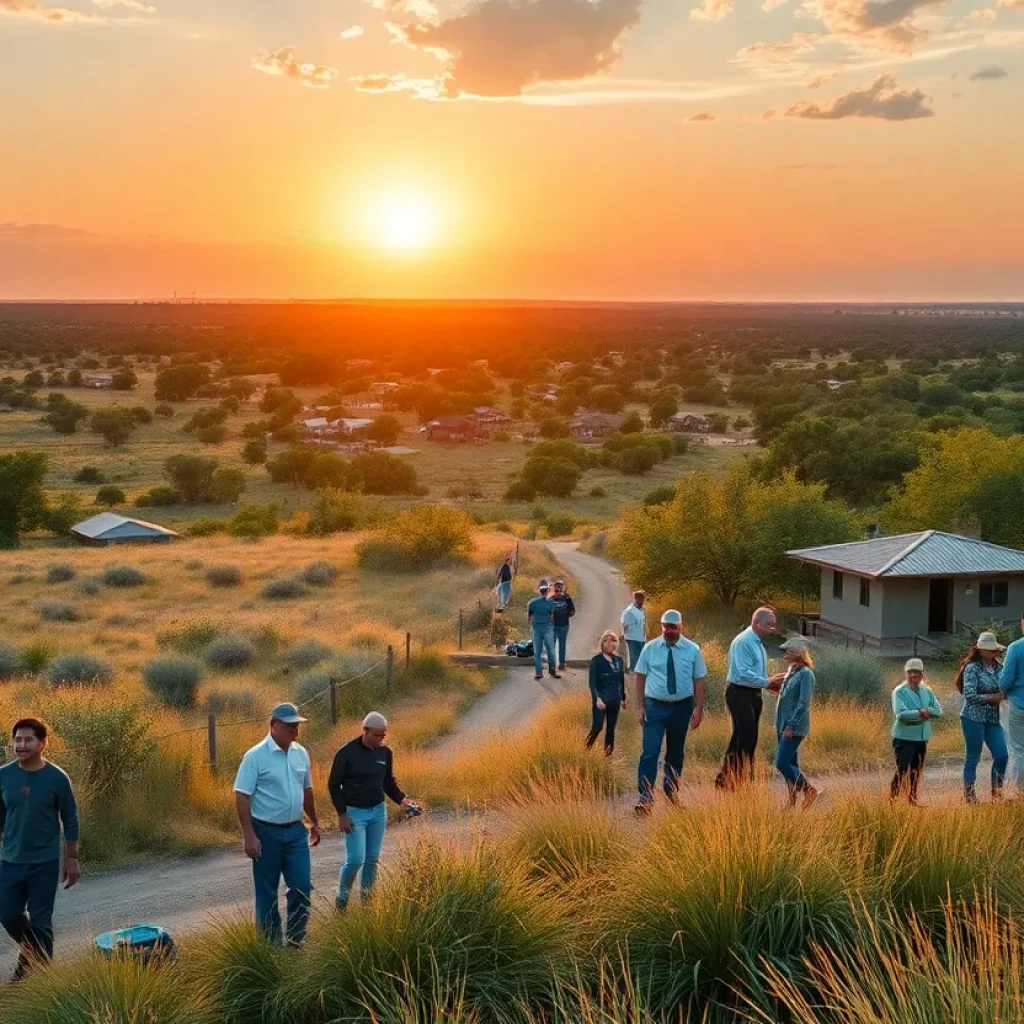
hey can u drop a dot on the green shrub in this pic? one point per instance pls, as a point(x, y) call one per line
point(173, 681)
point(109, 495)
point(90, 586)
point(307, 654)
point(335, 511)
point(60, 572)
point(660, 495)
point(11, 663)
point(255, 520)
point(208, 526)
point(72, 669)
point(224, 576)
point(123, 576)
point(158, 497)
point(58, 611)
point(418, 537)
point(35, 656)
point(559, 524)
point(229, 652)
point(519, 490)
point(191, 638)
point(310, 686)
point(319, 574)
point(598, 492)
point(89, 475)
point(848, 675)
point(164, 410)
point(282, 589)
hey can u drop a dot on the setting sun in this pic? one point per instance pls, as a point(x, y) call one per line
point(403, 223)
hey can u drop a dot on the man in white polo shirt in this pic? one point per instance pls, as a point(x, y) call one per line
point(273, 789)
point(669, 677)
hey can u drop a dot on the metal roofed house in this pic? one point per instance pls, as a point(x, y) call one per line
point(891, 591)
point(110, 528)
point(691, 422)
point(452, 428)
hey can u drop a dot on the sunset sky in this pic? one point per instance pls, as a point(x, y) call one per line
point(614, 149)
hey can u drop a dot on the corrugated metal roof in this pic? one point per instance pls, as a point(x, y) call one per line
point(103, 523)
point(929, 553)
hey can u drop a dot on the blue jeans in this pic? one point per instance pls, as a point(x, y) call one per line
point(667, 724)
point(991, 735)
point(543, 640)
point(788, 763)
point(284, 850)
point(504, 593)
point(362, 851)
point(27, 894)
point(561, 642)
point(635, 647)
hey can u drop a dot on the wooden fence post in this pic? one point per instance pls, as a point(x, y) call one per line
point(334, 701)
point(408, 651)
point(390, 667)
point(211, 739)
point(460, 629)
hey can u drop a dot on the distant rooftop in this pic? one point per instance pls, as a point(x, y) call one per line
point(103, 523)
point(928, 553)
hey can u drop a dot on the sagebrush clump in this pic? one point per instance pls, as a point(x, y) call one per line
point(229, 652)
point(58, 611)
point(60, 572)
point(174, 681)
point(224, 576)
point(123, 576)
point(308, 653)
point(282, 589)
point(10, 662)
point(319, 574)
point(81, 669)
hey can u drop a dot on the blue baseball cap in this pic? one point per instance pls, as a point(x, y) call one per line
point(287, 713)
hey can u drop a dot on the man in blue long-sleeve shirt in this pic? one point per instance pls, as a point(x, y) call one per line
point(748, 679)
point(1011, 682)
point(36, 799)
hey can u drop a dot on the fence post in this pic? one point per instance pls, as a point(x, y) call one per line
point(389, 668)
point(460, 629)
point(334, 701)
point(408, 651)
point(211, 739)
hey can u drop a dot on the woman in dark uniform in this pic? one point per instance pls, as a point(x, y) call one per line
point(607, 691)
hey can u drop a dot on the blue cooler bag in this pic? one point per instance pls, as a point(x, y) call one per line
point(145, 941)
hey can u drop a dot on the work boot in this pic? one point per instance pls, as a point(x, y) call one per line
point(21, 969)
point(997, 794)
point(970, 796)
point(810, 795)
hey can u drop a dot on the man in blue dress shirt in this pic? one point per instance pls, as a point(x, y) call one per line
point(1011, 682)
point(669, 678)
point(273, 790)
point(748, 679)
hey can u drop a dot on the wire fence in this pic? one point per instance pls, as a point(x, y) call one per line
point(214, 727)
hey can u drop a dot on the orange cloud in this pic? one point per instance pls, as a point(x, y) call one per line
point(49, 15)
point(882, 100)
point(283, 63)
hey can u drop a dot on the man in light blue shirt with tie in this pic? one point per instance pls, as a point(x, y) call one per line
point(1011, 682)
point(748, 679)
point(273, 790)
point(669, 677)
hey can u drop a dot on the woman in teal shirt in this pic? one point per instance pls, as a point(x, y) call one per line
point(913, 707)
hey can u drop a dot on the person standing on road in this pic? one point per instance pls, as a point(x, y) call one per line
point(1011, 682)
point(36, 800)
point(564, 611)
point(793, 718)
point(504, 583)
point(607, 691)
point(747, 679)
point(361, 776)
point(538, 613)
point(669, 679)
point(978, 681)
point(634, 627)
point(913, 707)
point(273, 789)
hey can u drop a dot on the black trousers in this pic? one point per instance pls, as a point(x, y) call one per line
point(744, 704)
point(909, 766)
point(606, 720)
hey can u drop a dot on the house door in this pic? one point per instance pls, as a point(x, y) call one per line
point(940, 606)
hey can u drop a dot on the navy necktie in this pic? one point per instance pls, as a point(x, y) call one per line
point(670, 670)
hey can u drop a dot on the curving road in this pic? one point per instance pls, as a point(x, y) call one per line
point(185, 895)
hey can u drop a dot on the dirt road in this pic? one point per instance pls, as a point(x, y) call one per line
point(188, 894)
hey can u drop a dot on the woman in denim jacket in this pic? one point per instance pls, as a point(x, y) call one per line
point(793, 718)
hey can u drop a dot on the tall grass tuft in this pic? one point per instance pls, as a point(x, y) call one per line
point(35, 656)
point(79, 669)
point(848, 675)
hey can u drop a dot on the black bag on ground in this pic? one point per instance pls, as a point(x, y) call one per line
point(520, 649)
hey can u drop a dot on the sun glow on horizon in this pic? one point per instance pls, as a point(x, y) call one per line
point(403, 222)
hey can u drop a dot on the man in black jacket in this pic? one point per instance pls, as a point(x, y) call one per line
point(564, 611)
point(361, 776)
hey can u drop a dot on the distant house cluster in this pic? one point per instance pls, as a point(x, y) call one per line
point(689, 422)
point(477, 427)
point(99, 380)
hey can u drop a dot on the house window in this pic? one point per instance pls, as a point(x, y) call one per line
point(837, 586)
point(865, 593)
point(994, 595)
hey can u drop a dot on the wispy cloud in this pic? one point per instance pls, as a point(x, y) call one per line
point(132, 5)
point(781, 58)
point(712, 10)
point(420, 88)
point(53, 232)
point(283, 63)
point(353, 32)
point(702, 118)
point(891, 25)
point(49, 15)
point(991, 73)
point(882, 100)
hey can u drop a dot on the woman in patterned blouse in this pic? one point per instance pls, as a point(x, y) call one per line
point(978, 681)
